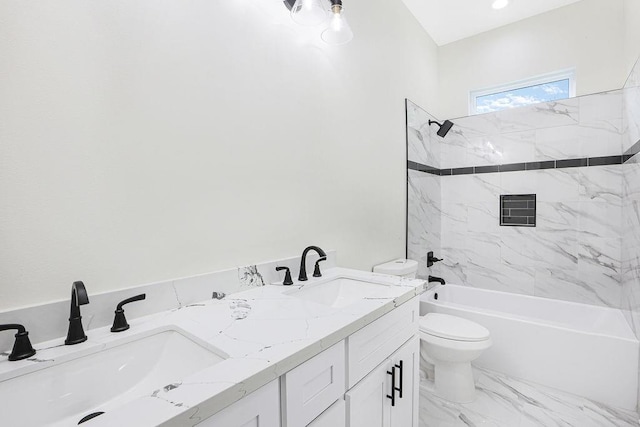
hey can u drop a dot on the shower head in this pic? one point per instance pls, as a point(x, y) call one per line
point(445, 127)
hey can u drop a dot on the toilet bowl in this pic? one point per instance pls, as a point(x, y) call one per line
point(451, 343)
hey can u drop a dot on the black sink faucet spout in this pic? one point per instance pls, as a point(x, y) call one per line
point(79, 297)
point(303, 268)
point(436, 279)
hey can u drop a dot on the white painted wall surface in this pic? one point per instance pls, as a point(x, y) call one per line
point(587, 35)
point(632, 34)
point(147, 140)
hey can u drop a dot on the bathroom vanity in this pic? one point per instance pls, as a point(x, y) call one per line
point(339, 350)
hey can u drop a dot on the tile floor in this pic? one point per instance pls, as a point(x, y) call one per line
point(506, 402)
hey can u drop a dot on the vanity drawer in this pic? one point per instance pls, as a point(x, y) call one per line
point(260, 408)
point(371, 345)
point(335, 416)
point(313, 386)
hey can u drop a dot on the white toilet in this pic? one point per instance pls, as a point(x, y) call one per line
point(451, 343)
point(399, 267)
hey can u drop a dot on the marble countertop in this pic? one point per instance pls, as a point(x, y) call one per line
point(265, 332)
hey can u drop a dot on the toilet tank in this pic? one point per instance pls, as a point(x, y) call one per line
point(400, 267)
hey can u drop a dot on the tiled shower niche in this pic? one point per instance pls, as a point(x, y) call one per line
point(518, 210)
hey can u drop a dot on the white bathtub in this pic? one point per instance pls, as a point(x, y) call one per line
point(581, 349)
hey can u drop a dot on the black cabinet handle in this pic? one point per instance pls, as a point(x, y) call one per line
point(393, 386)
point(399, 366)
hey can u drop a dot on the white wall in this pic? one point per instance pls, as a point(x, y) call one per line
point(155, 139)
point(588, 35)
point(632, 34)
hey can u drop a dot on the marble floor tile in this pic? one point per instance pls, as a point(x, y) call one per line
point(506, 402)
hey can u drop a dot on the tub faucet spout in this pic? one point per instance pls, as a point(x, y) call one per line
point(436, 279)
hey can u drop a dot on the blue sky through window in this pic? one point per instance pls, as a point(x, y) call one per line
point(544, 92)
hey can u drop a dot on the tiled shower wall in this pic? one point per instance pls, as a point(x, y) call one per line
point(423, 189)
point(574, 252)
point(631, 202)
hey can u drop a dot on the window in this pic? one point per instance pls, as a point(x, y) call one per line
point(549, 87)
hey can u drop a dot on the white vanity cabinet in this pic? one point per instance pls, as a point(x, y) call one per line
point(258, 409)
point(377, 402)
point(348, 385)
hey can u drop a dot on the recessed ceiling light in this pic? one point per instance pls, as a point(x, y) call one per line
point(499, 4)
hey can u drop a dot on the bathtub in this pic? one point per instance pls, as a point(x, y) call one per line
point(582, 349)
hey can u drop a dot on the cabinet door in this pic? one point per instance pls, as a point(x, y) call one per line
point(259, 409)
point(406, 362)
point(367, 402)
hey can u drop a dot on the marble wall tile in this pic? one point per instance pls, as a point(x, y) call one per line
point(602, 111)
point(454, 148)
point(558, 216)
point(513, 147)
point(543, 115)
point(562, 142)
point(588, 126)
point(574, 252)
point(601, 183)
point(631, 109)
point(424, 218)
point(596, 142)
point(471, 188)
point(423, 145)
point(482, 217)
point(424, 208)
point(558, 185)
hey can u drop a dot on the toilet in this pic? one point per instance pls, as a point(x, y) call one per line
point(451, 343)
point(399, 267)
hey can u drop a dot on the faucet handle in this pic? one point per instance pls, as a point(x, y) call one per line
point(22, 348)
point(120, 321)
point(287, 276)
point(432, 259)
point(316, 269)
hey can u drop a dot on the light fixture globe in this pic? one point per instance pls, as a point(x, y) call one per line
point(338, 31)
point(500, 4)
point(308, 12)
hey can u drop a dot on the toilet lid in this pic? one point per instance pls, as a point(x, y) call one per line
point(452, 328)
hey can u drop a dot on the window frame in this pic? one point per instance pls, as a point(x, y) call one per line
point(566, 74)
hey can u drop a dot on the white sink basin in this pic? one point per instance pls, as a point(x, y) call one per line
point(63, 394)
point(341, 292)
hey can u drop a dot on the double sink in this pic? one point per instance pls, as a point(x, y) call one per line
point(87, 383)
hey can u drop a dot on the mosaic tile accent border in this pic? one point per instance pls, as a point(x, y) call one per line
point(514, 167)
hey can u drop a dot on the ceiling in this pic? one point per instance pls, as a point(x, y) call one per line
point(449, 20)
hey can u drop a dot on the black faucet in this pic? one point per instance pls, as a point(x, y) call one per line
point(303, 269)
point(432, 259)
point(287, 276)
point(79, 297)
point(22, 348)
point(436, 279)
point(120, 321)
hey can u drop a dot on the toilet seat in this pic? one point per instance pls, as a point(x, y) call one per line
point(452, 328)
